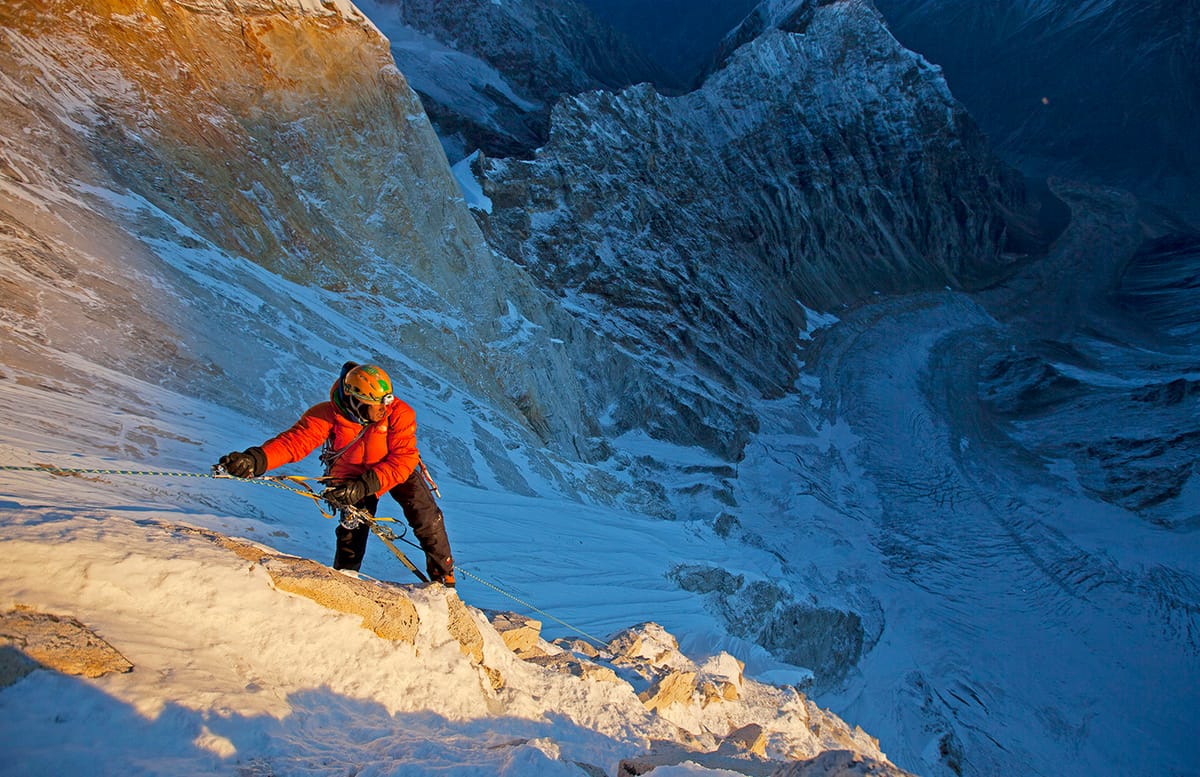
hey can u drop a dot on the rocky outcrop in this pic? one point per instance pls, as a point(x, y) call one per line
point(748, 740)
point(30, 640)
point(389, 616)
point(825, 640)
point(786, 15)
point(723, 717)
point(488, 73)
point(521, 635)
point(728, 721)
point(832, 763)
point(384, 611)
point(840, 763)
point(256, 625)
point(818, 167)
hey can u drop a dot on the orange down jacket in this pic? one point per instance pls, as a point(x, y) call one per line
point(388, 448)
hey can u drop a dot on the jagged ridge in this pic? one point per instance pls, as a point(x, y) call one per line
point(816, 167)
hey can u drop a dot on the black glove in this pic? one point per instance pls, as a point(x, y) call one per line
point(350, 491)
point(249, 463)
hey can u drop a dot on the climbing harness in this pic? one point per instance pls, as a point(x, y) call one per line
point(352, 517)
point(299, 485)
point(329, 454)
point(387, 536)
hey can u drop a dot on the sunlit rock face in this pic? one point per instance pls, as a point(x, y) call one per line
point(822, 164)
point(488, 73)
point(218, 117)
point(158, 157)
point(1105, 91)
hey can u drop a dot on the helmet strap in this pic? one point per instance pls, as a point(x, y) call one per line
point(345, 406)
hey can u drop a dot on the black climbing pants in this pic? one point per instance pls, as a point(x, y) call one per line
point(423, 515)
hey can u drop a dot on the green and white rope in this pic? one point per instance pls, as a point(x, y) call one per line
point(274, 481)
point(538, 610)
point(49, 468)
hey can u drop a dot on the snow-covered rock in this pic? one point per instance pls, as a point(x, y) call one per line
point(32, 640)
point(521, 634)
point(231, 635)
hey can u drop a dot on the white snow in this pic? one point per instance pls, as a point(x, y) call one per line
point(472, 191)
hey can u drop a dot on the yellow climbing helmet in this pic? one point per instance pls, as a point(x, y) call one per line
point(358, 388)
point(368, 383)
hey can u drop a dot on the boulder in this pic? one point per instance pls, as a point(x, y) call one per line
point(565, 663)
point(671, 688)
point(385, 611)
point(29, 639)
point(519, 633)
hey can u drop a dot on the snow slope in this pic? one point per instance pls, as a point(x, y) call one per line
point(232, 675)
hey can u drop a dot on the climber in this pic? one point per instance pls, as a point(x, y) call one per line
point(370, 447)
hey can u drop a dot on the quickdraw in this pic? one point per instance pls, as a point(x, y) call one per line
point(428, 478)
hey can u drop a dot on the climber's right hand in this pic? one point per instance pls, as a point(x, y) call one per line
point(249, 463)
